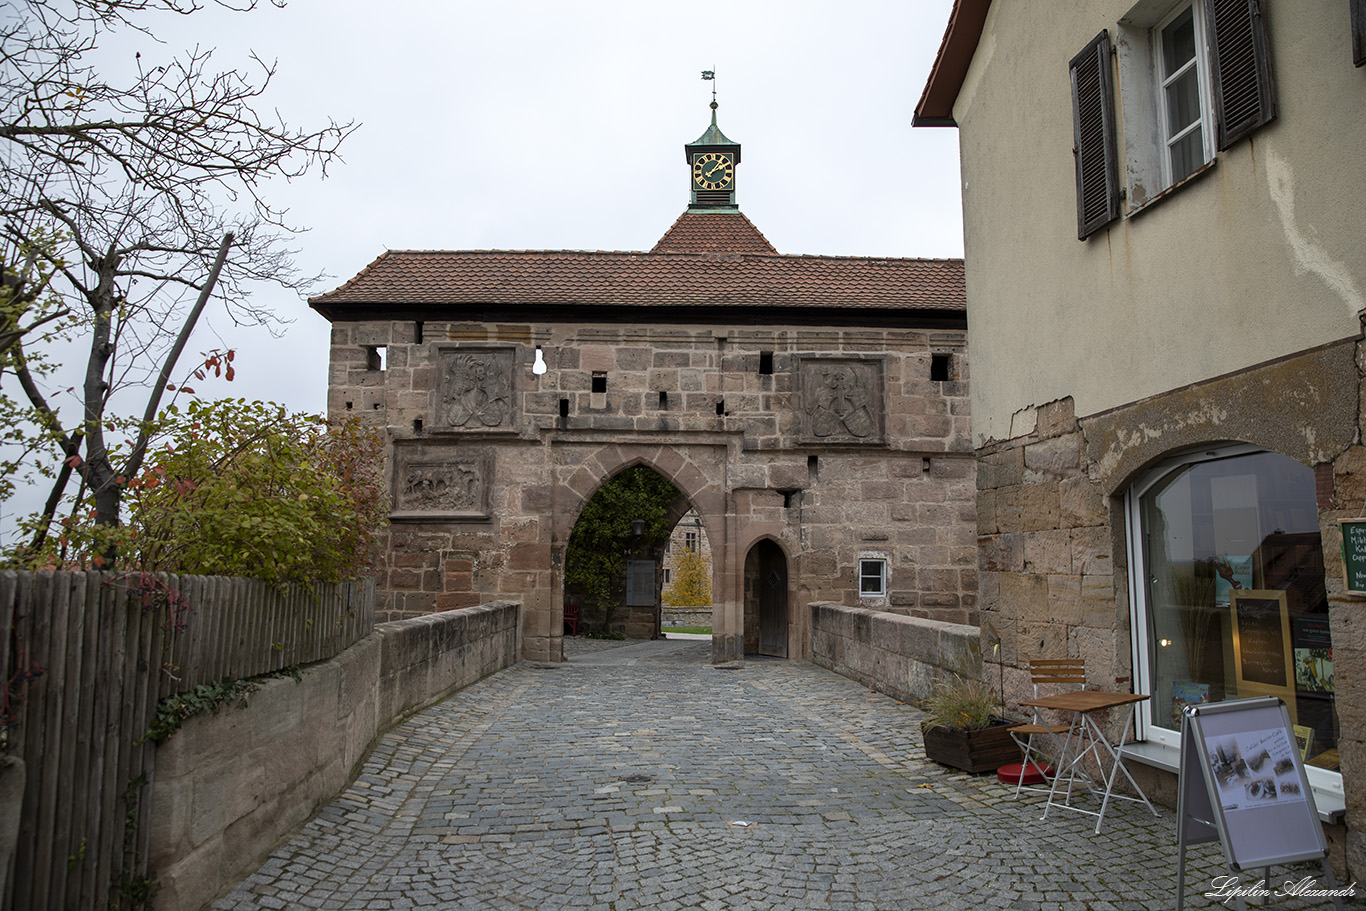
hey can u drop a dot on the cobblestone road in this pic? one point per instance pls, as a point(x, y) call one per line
point(641, 777)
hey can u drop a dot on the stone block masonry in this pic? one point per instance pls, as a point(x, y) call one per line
point(230, 785)
point(833, 442)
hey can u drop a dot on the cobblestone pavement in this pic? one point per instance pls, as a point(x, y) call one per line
point(637, 776)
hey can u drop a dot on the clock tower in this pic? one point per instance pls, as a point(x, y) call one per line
point(712, 160)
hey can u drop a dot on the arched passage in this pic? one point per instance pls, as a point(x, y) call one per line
point(698, 474)
point(613, 556)
point(766, 600)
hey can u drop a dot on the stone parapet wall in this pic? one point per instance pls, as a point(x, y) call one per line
point(229, 786)
point(904, 657)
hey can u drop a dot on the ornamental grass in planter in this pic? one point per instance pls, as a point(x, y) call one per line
point(966, 730)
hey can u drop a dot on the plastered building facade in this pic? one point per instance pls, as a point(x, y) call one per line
point(1168, 360)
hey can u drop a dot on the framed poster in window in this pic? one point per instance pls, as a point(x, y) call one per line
point(1263, 652)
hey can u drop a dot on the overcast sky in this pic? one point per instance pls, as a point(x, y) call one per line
point(531, 124)
point(561, 125)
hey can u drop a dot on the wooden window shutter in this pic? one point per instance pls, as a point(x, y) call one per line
point(1093, 133)
point(1241, 65)
point(1359, 32)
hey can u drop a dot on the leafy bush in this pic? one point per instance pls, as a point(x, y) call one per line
point(242, 489)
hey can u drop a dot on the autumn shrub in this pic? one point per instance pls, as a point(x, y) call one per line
point(692, 581)
point(240, 488)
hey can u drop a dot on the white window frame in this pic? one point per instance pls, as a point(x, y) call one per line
point(1144, 728)
point(881, 576)
point(1202, 76)
point(1143, 104)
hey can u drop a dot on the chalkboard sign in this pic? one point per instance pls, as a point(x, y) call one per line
point(1354, 555)
point(1264, 657)
point(1242, 782)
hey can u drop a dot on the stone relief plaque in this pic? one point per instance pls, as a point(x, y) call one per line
point(841, 400)
point(431, 484)
point(474, 390)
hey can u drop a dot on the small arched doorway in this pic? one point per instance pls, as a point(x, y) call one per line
point(766, 618)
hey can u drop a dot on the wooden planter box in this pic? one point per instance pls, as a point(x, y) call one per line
point(984, 750)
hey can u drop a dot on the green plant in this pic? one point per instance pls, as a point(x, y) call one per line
point(241, 488)
point(207, 697)
point(968, 705)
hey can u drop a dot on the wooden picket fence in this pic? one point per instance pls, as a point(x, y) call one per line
point(89, 656)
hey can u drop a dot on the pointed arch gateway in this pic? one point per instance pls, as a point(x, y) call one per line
point(697, 475)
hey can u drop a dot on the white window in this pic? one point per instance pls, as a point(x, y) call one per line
point(1229, 597)
point(1164, 83)
point(872, 578)
point(1194, 78)
point(1185, 109)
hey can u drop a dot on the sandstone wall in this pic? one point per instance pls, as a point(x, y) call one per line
point(904, 657)
point(1052, 540)
point(834, 443)
point(230, 786)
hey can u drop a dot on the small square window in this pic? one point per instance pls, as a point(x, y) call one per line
point(941, 367)
point(599, 382)
point(872, 578)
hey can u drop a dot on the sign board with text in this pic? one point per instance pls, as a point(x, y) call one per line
point(1354, 555)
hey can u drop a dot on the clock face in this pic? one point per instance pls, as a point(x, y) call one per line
point(713, 171)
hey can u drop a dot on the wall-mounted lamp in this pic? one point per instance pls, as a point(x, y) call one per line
point(638, 527)
point(1164, 642)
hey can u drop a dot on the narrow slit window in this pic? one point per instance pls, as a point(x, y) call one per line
point(721, 407)
point(941, 367)
point(417, 425)
point(599, 382)
point(765, 363)
point(564, 408)
point(663, 400)
point(374, 358)
point(417, 332)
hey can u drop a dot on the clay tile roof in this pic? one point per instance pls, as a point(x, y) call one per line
point(511, 279)
point(708, 265)
point(713, 232)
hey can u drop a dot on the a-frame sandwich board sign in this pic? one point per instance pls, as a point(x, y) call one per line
point(1242, 783)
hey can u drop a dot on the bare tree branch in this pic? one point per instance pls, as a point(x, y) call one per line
point(119, 203)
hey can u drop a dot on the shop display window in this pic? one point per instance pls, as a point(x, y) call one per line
point(1231, 600)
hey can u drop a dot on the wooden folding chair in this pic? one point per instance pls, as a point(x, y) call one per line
point(1057, 675)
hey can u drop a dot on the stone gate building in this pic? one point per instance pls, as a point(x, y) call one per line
point(812, 409)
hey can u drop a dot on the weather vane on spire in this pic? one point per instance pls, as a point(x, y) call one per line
point(710, 76)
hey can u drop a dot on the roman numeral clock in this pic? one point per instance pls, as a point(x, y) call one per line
point(713, 171)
